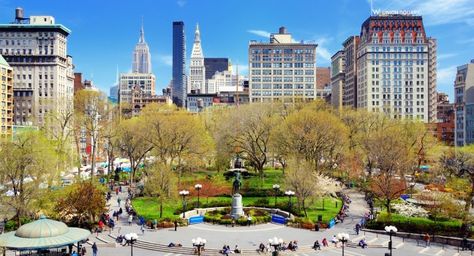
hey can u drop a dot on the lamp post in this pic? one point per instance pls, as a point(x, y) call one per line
point(198, 187)
point(276, 243)
point(183, 193)
point(289, 193)
point(391, 230)
point(131, 239)
point(344, 238)
point(276, 188)
point(199, 243)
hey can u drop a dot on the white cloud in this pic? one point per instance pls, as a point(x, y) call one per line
point(444, 56)
point(261, 33)
point(181, 3)
point(435, 12)
point(446, 76)
point(321, 50)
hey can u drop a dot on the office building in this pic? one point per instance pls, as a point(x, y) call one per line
point(350, 71)
point(213, 65)
point(6, 98)
point(225, 81)
point(445, 124)
point(146, 82)
point(323, 82)
point(464, 105)
point(394, 67)
point(178, 84)
point(197, 71)
point(140, 99)
point(114, 92)
point(141, 55)
point(282, 70)
point(338, 62)
point(36, 49)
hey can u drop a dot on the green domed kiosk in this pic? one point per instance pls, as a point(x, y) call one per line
point(43, 234)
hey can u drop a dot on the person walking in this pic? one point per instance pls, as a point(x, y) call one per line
point(94, 249)
point(130, 219)
point(175, 225)
point(118, 201)
point(142, 228)
point(427, 239)
point(357, 228)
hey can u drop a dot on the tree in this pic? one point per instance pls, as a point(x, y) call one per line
point(246, 132)
point(178, 137)
point(314, 135)
point(130, 141)
point(25, 167)
point(387, 188)
point(460, 162)
point(93, 114)
point(160, 181)
point(307, 184)
point(83, 203)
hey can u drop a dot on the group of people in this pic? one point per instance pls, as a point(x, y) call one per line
point(292, 246)
point(345, 206)
point(226, 250)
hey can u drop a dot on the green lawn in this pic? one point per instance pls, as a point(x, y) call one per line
point(149, 207)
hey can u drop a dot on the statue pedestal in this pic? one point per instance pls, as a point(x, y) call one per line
point(237, 209)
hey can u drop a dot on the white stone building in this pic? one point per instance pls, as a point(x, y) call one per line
point(197, 71)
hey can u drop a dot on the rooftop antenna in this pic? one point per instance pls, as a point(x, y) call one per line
point(371, 7)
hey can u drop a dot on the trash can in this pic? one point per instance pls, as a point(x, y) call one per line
point(275, 253)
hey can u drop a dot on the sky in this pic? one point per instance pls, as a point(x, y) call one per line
point(104, 32)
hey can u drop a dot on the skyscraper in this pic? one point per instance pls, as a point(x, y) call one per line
point(464, 105)
point(213, 65)
point(36, 49)
point(141, 55)
point(338, 62)
point(197, 71)
point(349, 97)
point(178, 90)
point(6, 98)
point(282, 70)
point(395, 73)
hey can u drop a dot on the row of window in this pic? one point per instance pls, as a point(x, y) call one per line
point(282, 65)
point(282, 50)
point(282, 93)
point(284, 86)
point(282, 79)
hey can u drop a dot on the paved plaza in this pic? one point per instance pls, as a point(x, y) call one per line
point(248, 238)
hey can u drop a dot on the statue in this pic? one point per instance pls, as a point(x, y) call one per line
point(236, 184)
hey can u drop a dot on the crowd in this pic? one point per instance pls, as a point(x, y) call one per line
point(291, 246)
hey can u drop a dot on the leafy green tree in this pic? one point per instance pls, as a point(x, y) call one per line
point(160, 181)
point(25, 168)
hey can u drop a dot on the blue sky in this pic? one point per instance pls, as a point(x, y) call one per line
point(104, 32)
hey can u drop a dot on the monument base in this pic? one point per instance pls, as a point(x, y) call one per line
point(237, 208)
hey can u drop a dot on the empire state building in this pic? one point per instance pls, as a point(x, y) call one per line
point(141, 56)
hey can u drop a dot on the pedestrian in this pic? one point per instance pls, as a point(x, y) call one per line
point(130, 219)
point(427, 238)
point(175, 225)
point(325, 242)
point(249, 220)
point(118, 201)
point(94, 249)
point(143, 229)
point(464, 243)
point(357, 228)
point(83, 251)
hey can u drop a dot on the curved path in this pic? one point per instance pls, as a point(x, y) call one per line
point(248, 238)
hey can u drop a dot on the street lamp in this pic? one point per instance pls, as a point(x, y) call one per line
point(276, 188)
point(199, 243)
point(183, 193)
point(391, 230)
point(289, 193)
point(344, 238)
point(276, 243)
point(198, 188)
point(131, 239)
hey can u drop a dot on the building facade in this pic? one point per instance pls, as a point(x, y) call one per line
point(127, 82)
point(178, 84)
point(445, 124)
point(114, 92)
point(350, 71)
point(197, 70)
point(323, 82)
point(140, 99)
point(225, 81)
point(213, 65)
point(6, 98)
point(464, 105)
point(141, 56)
point(338, 62)
point(394, 59)
point(282, 70)
point(36, 49)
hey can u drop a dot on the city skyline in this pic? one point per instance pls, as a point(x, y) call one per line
point(225, 34)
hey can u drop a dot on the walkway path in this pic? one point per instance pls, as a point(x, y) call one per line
point(250, 237)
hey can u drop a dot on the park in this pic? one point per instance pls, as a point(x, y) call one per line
point(257, 179)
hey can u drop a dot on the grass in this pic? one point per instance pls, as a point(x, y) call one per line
point(148, 207)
